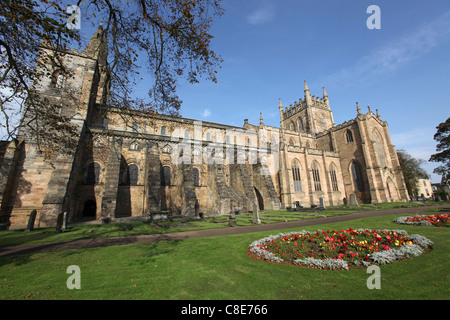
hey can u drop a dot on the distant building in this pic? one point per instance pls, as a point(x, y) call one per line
point(139, 165)
point(425, 188)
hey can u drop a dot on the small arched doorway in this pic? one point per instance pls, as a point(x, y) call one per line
point(260, 199)
point(90, 209)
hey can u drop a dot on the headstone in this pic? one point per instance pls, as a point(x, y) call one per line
point(256, 219)
point(232, 220)
point(59, 222)
point(65, 217)
point(353, 201)
point(31, 219)
point(321, 203)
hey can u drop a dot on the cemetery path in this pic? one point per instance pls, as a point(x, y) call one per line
point(141, 239)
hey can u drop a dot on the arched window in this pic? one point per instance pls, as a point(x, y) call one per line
point(291, 142)
point(208, 136)
point(316, 177)
point(186, 134)
point(379, 149)
point(322, 123)
point(296, 177)
point(93, 173)
point(292, 127)
point(132, 175)
point(134, 146)
point(334, 183)
point(163, 131)
point(58, 79)
point(165, 179)
point(300, 125)
point(349, 136)
point(357, 177)
point(196, 174)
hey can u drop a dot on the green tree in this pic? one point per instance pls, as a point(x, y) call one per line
point(442, 136)
point(412, 171)
point(168, 40)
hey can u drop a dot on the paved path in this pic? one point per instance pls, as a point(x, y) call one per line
point(116, 241)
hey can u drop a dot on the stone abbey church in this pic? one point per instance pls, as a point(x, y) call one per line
point(140, 165)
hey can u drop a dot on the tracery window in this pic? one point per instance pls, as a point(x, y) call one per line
point(316, 177)
point(296, 177)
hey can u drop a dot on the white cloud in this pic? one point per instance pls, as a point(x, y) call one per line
point(206, 113)
point(262, 15)
point(396, 54)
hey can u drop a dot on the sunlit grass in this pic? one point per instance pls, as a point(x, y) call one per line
point(219, 268)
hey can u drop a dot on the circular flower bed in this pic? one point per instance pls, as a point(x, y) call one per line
point(431, 220)
point(337, 249)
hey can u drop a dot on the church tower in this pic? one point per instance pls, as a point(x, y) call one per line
point(309, 115)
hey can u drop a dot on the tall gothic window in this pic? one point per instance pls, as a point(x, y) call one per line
point(379, 149)
point(292, 127)
point(132, 175)
point(357, 177)
point(300, 125)
point(163, 131)
point(316, 177)
point(334, 183)
point(165, 179)
point(296, 177)
point(93, 173)
point(349, 136)
point(196, 177)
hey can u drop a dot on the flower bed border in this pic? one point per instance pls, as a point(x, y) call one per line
point(377, 258)
point(423, 223)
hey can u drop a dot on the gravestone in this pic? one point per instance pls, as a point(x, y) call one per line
point(353, 200)
point(59, 222)
point(65, 217)
point(321, 203)
point(256, 219)
point(31, 219)
point(232, 220)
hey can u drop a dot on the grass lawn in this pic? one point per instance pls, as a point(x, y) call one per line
point(219, 268)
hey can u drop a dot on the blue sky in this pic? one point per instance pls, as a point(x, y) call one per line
point(270, 47)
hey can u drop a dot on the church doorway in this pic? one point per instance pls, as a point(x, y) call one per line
point(260, 199)
point(90, 209)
